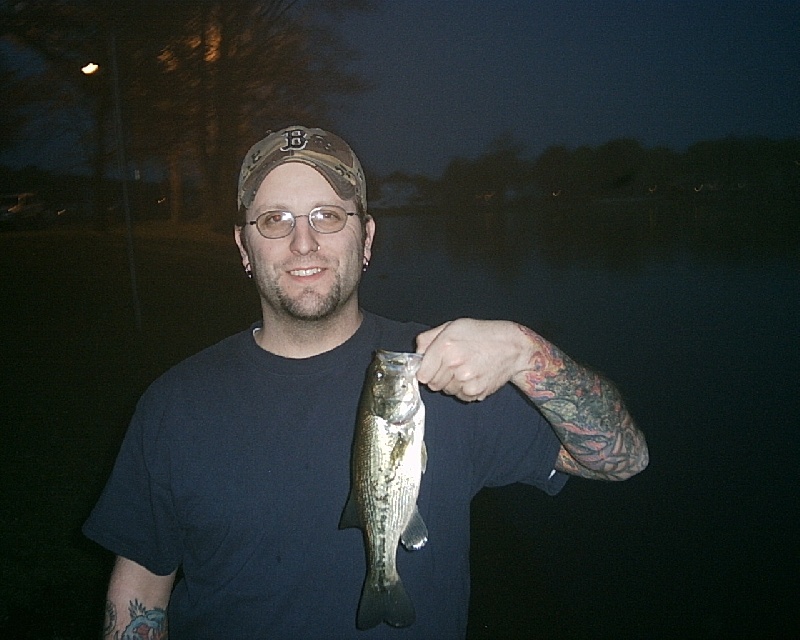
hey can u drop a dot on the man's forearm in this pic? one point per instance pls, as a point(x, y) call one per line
point(587, 413)
point(136, 604)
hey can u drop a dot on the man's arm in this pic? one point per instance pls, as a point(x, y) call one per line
point(136, 602)
point(472, 359)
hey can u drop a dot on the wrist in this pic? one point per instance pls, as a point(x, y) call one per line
point(539, 359)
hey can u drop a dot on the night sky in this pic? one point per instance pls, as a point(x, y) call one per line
point(450, 77)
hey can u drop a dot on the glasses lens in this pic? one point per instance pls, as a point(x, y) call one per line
point(329, 219)
point(275, 224)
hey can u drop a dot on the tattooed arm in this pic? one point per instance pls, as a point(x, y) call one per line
point(472, 359)
point(136, 604)
point(598, 436)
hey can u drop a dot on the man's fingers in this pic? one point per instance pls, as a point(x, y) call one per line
point(431, 361)
point(425, 338)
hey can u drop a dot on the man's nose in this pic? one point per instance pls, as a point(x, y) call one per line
point(303, 237)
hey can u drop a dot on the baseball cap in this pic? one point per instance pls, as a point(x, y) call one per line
point(320, 149)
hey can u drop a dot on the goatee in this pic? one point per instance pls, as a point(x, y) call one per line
point(309, 305)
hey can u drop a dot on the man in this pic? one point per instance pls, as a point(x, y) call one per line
point(235, 468)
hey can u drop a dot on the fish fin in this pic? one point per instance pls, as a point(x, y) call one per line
point(350, 514)
point(389, 604)
point(415, 534)
point(424, 457)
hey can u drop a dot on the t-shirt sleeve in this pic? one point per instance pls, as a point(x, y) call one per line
point(135, 516)
point(514, 443)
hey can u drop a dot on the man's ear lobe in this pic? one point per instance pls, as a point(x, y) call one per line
point(241, 243)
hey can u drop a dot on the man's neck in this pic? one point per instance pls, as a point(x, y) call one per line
point(293, 338)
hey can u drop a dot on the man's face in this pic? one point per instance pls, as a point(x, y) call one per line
point(306, 275)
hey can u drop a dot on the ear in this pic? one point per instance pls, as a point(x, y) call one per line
point(240, 242)
point(369, 238)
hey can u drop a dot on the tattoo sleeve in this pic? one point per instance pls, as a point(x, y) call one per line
point(144, 622)
point(598, 436)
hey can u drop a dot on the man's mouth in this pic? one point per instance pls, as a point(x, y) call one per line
point(305, 272)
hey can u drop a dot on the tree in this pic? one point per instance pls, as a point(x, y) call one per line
point(553, 170)
point(489, 180)
point(199, 80)
point(12, 117)
point(215, 76)
point(615, 167)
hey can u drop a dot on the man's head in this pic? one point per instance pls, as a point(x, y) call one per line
point(304, 271)
point(327, 153)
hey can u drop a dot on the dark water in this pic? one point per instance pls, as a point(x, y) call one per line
point(705, 349)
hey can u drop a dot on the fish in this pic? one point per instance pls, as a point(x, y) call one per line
point(389, 458)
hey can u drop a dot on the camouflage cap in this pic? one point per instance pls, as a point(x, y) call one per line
point(324, 151)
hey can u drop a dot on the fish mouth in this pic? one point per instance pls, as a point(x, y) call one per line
point(399, 362)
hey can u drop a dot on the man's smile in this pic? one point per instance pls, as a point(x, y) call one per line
point(305, 272)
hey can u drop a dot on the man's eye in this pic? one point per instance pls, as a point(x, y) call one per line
point(275, 218)
point(329, 214)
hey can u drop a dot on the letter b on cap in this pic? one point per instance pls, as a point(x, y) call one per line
point(296, 140)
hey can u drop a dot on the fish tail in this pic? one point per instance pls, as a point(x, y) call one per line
point(384, 603)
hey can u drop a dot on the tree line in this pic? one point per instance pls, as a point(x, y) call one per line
point(615, 172)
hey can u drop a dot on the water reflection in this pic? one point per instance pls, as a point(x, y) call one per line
point(616, 235)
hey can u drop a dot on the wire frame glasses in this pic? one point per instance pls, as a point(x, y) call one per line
point(279, 224)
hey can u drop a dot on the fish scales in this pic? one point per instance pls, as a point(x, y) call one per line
point(389, 458)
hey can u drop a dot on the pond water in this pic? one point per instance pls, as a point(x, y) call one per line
point(705, 349)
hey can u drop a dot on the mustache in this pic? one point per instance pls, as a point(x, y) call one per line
point(305, 262)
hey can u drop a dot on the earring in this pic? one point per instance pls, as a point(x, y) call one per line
point(248, 272)
point(366, 264)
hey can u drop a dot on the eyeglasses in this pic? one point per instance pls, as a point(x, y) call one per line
point(279, 224)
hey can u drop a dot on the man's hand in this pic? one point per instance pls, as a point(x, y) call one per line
point(471, 359)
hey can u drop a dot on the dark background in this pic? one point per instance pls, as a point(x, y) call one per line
point(689, 300)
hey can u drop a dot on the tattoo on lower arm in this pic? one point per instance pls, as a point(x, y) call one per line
point(144, 622)
point(110, 622)
point(587, 413)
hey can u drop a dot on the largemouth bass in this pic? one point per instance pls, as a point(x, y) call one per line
point(389, 458)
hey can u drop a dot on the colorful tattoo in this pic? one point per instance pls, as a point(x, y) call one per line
point(145, 624)
point(599, 437)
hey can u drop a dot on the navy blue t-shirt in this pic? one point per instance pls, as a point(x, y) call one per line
point(236, 468)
